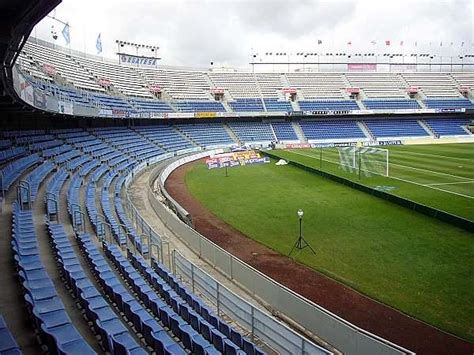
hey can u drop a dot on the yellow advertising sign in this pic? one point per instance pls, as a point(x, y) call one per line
point(205, 114)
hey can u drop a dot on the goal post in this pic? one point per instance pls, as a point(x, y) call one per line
point(364, 160)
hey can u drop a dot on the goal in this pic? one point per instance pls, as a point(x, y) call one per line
point(364, 160)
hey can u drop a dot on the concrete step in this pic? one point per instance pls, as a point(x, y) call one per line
point(299, 132)
point(427, 128)
point(364, 128)
point(231, 134)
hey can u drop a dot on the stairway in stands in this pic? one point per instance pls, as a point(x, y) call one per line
point(299, 132)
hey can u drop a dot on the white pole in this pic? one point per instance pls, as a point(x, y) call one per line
point(387, 161)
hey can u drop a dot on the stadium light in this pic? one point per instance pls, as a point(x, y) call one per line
point(301, 243)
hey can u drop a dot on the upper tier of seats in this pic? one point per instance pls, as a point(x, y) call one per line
point(328, 105)
point(247, 105)
point(448, 103)
point(100, 83)
point(391, 104)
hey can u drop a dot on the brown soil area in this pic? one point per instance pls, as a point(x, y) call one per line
point(358, 309)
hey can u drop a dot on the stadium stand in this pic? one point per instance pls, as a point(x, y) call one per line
point(150, 105)
point(433, 84)
point(103, 84)
point(331, 130)
point(165, 137)
point(448, 126)
point(378, 85)
point(284, 131)
point(396, 128)
point(390, 104)
point(247, 105)
point(199, 106)
point(171, 317)
point(317, 85)
point(206, 134)
point(113, 332)
point(448, 103)
point(42, 301)
point(179, 85)
point(8, 344)
point(328, 105)
point(15, 169)
point(252, 132)
point(277, 105)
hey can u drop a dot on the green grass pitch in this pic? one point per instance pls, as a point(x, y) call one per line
point(414, 263)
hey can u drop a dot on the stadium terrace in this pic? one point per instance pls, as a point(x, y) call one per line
point(151, 209)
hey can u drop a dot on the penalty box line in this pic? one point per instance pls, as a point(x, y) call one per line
point(451, 183)
point(405, 180)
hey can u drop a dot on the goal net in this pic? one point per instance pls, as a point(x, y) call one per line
point(365, 160)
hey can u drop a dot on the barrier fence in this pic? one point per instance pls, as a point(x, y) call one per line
point(341, 334)
point(279, 336)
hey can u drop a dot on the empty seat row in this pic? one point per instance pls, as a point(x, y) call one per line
point(34, 178)
point(331, 129)
point(247, 105)
point(52, 191)
point(396, 128)
point(193, 310)
point(48, 153)
point(391, 104)
point(252, 131)
point(448, 103)
point(448, 126)
point(284, 131)
point(11, 153)
point(330, 105)
point(114, 336)
point(192, 340)
point(46, 309)
point(8, 344)
point(12, 171)
point(143, 322)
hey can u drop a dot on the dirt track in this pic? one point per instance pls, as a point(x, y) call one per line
point(332, 295)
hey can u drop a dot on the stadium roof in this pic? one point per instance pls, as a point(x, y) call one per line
point(17, 19)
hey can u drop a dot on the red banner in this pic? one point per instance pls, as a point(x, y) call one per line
point(49, 69)
point(289, 90)
point(217, 91)
point(104, 82)
point(361, 67)
point(353, 90)
point(298, 145)
point(412, 90)
point(155, 88)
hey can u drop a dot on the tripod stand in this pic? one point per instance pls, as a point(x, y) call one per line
point(301, 243)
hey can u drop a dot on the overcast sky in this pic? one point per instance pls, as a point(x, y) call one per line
point(227, 32)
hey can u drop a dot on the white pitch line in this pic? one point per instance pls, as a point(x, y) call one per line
point(409, 181)
point(430, 171)
point(429, 155)
point(451, 183)
point(403, 166)
point(433, 187)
